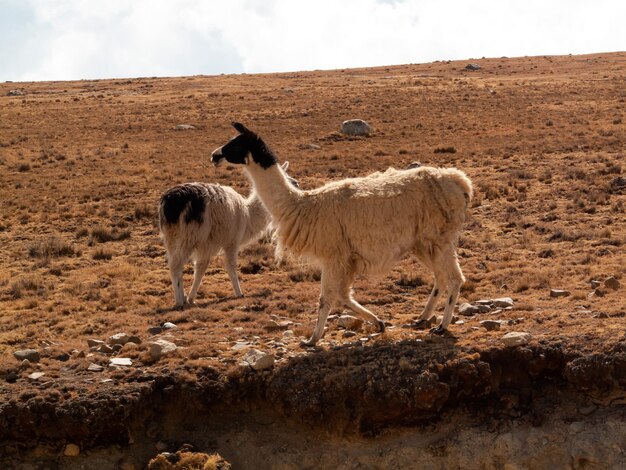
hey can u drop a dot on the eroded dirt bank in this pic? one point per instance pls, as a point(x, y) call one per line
point(383, 406)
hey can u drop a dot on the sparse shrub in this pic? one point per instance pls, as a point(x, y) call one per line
point(407, 280)
point(103, 235)
point(102, 254)
point(22, 167)
point(143, 212)
point(445, 150)
point(52, 247)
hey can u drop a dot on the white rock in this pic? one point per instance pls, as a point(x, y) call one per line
point(31, 354)
point(349, 322)
point(184, 127)
point(95, 367)
point(259, 360)
point(516, 338)
point(120, 361)
point(161, 347)
point(558, 293)
point(36, 375)
point(356, 127)
point(169, 325)
point(119, 338)
point(503, 302)
point(94, 343)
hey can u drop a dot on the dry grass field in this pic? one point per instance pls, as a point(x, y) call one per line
point(82, 165)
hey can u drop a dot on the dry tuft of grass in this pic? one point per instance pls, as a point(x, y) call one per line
point(53, 247)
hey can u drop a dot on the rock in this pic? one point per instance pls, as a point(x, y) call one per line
point(120, 361)
point(161, 347)
point(596, 293)
point(155, 330)
point(119, 338)
point(92, 343)
point(259, 360)
point(559, 293)
point(516, 338)
point(239, 345)
point(15, 93)
point(36, 376)
point(288, 334)
point(349, 322)
point(488, 303)
point(105, 349)
point(595, 284)
point(618, 183)
point(184, 127)
point(413, 165)
point(483, 308)
point(31, 354)
point(467, 309)
point(273, 325)
point(25, 364)
point(611, 283)
point(356, 127)
point(95, 367)
point(63, 357)
point(490, 325)
point(71, 450)
point(169, 325)
point(348, 334)
point(472, 67)
point(503, 302)
point(313, 147)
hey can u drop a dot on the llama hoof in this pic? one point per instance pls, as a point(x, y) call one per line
point(189, 304)
point(178, 307)
point(421, 324)
point(381, 326)
point(308, 343)
point(438, 330)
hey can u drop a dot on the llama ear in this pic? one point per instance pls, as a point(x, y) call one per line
point(285, 165)
point(241, 128)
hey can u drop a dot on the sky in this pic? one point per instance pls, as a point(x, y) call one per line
point(89, 39)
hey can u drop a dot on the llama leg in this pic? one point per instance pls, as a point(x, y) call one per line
point(322, 315)
point(176, 264)
point(328, 296)
point(364, 313)
point(454, 275)
point(199, 268)
point(230, 263)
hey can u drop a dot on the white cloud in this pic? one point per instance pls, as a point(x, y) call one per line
point(73, 39)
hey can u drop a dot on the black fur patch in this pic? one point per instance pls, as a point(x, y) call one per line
point(237, 148)
point(436, 293)
point(175, 201)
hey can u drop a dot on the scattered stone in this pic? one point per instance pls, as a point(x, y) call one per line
point(25, 364)
point(36, 376)
point(160, 348)
point(273, 325)
point(618, 183)
point(468, 310)
point(348, 334)
point(611, 283)
point(105, 349)
point(63, 357)
point(71, 450)
point(184, 127)
point(288, 334)
point(119, 338)
point(155, 330)
point(356, 127)
point(414, 165)
point(559, 293)
point(169, 325)
point(31, 354)
point(15, 93)
point(95, 367)
point(483, 308)
point(259, 360)
point(491, 325)
point(239, 345)
point(120, 361)
point(472, 67)
point(516, 338)
point(503, 302)
point(487, 302)
point(595, 284)
point(313, 147)
point(92, 343)
point(349, 322)
point(596, 293)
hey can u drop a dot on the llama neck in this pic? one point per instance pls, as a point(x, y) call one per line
point(272, 187)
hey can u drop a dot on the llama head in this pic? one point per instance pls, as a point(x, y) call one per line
point(238, 150)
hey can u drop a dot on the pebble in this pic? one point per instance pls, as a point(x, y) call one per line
point(155, 330)
point(184, 127)
point(95, 367)
point(503, 302)
point(36, 376)
point(467, 309)
point(259, 360)
point(239, 345)
point(559, 293)
point(169, 325)
point(490, 325)
point(349, 322)
point(595, 284)
point(31, 354)
point(92, 343)
point(516, 338)
point(348, 334)
point(611, 283)
point(288, 334)
point(472, 67)
point(119, 338)
point(71, 450)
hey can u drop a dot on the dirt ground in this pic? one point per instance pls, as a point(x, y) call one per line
point(82, 165)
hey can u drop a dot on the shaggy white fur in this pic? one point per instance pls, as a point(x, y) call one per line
point(225, 221)
point(362, 226)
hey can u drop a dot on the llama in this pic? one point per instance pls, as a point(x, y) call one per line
point(198, 220)
point(362, 226)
